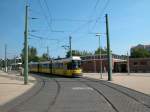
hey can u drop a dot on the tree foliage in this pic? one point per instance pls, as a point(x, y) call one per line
point(140, 53)
point(78, 53)
point(44, 57)
point(103, 51)
point(32, 54)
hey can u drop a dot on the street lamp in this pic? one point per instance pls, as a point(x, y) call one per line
point(98, 35)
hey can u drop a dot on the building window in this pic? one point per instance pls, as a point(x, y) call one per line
point(135, 63)
point(143, 63)
point(148, 62)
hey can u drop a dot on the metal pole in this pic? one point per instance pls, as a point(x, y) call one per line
point(47, 53)
point(15, 62)
point(0, 64)
point(100, 58)
point(5, 57)
point(70, 46)
point(128, 64)
point(108, 51)
point(26, 48)
point(94, 64)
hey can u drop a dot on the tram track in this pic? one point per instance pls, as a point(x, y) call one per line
point(56, 95)
point(50, 89)
point(101, 94)
point(118, 90)
point(14, 109)
point(43, 84)
point(86, 80)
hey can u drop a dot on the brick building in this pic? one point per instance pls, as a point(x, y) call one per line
point(91, 63)
point(139, 64)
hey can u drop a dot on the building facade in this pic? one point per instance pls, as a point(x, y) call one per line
point(140, 65)
point(92, 63)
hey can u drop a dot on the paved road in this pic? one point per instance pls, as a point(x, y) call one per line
point(59, 94)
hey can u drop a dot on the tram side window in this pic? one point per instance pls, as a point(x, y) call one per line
point(53, 65)
point(50, 65)
point(46, 65)
point(69, 65)
point(65, 66)
point(60, 65)
point(57, 65)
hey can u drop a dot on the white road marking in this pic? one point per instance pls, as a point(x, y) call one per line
point(82, 88)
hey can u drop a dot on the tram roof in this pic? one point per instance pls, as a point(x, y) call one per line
point(58, 60)
point(68, 59)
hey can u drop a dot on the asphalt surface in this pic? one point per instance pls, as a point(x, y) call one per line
point(60, 94)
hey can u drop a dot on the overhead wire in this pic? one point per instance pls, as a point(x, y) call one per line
point(44, 38)
point(49, 21)
point(50, 15)
point(104, 8)
point(90, 21)
point(46, 18)
point(69, 20)
point(49, 12)
point(93, 10)
point(101, 13)
point(96, 4)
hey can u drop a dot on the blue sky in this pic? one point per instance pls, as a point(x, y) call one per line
point(129, 24)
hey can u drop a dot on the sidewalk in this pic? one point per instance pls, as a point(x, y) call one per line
point(137, 81)
point(12, 86)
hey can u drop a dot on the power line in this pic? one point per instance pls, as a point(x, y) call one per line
point(69, 20)
point(49, 12)
point(104, 8)
point(86, 22)
point(96, 4)
point(94, 8)
point(81, 26)
point(101, 13)
point(47, 20)
point(90, 21)
point(43, 38)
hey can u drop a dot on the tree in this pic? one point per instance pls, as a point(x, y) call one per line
point(78, 53)
point(32, 54)
point(44, 57)
point(2, 63)
point(140, 53)
point(103, 51)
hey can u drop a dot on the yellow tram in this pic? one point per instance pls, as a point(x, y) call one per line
point(65, 66)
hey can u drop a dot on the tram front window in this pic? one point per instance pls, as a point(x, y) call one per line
point(76, 64)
